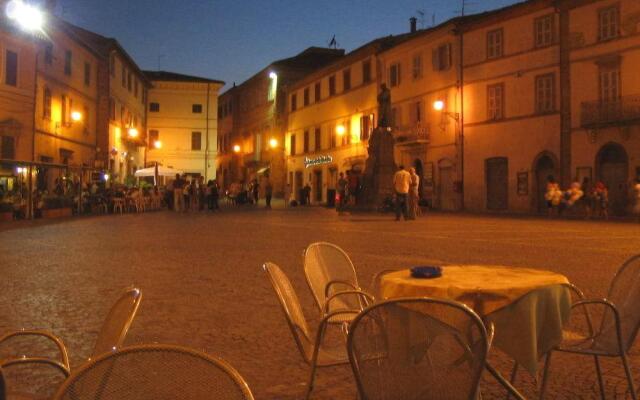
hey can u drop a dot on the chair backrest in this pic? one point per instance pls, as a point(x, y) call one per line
point(624, 293)
point(155, 372)
point(417, 348)
point(324, 263)
point(116, 325)
point(292, 310)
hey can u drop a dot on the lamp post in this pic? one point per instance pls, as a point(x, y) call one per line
point(440, 105)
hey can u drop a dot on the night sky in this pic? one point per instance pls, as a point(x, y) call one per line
point(231, 40)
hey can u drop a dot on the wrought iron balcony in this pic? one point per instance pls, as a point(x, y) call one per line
point(412, 136)
point(619, 112)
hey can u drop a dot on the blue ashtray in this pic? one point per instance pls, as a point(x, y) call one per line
point(426, 272)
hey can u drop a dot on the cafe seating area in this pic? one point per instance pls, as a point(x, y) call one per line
point(425, 332)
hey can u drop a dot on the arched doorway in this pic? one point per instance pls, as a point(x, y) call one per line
point(543, 167)
point(612, 168)
point(417, 164)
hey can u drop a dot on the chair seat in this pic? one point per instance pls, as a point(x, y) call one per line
point(332, 355)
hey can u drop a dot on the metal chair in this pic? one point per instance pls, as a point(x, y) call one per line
point(418, 348)
point(332, 279)
point(618, 326)
point(155, 372)
point(313, 352)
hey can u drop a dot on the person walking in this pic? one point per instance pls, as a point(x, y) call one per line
point(342, 192)
point(268, 191)
point(178, 196)
point(414, 211)
point(215, 196)
point(401, 183)
point(255, 190)
point(636, 195)
point(601, 194)
point(202, 193)
point(587, 197)
point(186, 196)
point(287, 195)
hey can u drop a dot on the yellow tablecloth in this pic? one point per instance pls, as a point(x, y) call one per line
point(527, 306)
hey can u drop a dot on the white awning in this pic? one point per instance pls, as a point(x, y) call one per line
point(162, 171)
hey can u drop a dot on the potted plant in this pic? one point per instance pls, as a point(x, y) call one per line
point(57, 206)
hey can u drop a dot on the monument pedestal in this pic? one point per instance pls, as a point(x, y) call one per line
point(379, 170)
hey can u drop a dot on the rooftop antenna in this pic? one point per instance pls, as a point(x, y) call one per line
point(160, 57)
point(420, 18)
point(333, 43)
point(465, 7)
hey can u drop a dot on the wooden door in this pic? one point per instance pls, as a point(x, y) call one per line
point(497, 176)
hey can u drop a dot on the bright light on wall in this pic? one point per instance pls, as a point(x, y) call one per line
point(133, 133)
point(157, 144)
point(106, 177)
point(273, 142)
point(438, 105)
point(236, 148)
point(340, 130)
point(27, 16)
point(273, 75)
point(76, 116)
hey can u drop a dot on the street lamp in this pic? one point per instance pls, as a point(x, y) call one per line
point(157, 144)
point(273, 143)
point(439, 105)
point(27, 16)
point(133, 133)
point(340, 130)
point(236, 148)
point(76, 116)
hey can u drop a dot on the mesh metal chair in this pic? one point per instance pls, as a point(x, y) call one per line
point(155, 372)
point(314, 352)
point(333, 281)
point(617, 329)
point(418, 349)
point(118, 321)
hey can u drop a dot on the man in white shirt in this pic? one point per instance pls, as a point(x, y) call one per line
point(401, 183)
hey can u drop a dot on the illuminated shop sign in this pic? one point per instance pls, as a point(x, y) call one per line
point(311, 162)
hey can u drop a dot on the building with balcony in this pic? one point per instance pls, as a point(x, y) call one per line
point(121, 113)
point(254, 115)
point(604, 52)
point(423, 74)
point(182, 123)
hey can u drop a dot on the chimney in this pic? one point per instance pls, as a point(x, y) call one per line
point(413, 21)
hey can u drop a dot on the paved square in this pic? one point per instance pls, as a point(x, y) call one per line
point(204, 287)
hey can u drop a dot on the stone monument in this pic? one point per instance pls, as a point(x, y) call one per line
point(380, 165)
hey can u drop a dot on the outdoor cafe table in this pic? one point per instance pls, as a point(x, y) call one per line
point(528, 307)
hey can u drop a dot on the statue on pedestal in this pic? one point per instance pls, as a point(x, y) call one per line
point(384, 107)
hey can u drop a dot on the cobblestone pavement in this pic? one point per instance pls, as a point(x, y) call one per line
point(203, 285)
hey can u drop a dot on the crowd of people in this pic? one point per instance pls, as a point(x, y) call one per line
point(406, 184)
point(594, 199)
point(184, 195)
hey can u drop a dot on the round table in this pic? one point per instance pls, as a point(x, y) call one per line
point(528, 307)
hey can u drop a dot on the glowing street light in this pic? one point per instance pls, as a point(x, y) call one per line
point(273, 75)
point(30, 18)
point(273, 143)
point(106, 177)
point(236, 148)
point(157, 144)
point(438, 105)
point(133, 133)
point(340, 130)
point(76, 116)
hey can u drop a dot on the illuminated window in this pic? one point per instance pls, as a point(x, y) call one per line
point(366, 126)
point(608, 21)
point(495, 101)
point(495, 43)
point(544, 30)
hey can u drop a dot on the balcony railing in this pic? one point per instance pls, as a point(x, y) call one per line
point(622, 111)
point(409, 136)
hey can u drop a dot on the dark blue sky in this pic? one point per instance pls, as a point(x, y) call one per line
point(231, 40)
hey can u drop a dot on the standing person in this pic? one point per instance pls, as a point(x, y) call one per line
point(178, 199)
point(587, 197)
point(186, 195)
point(601, 194)
point(255, 190)
point(209, 195)
point(401, 183)
point(287, 195)
point(414, 211)
point(354, 184)
point(636, 195)
point(553, 195)
point(307, 194)
point(342, 192)
point(202, 193)
point(268, 190)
